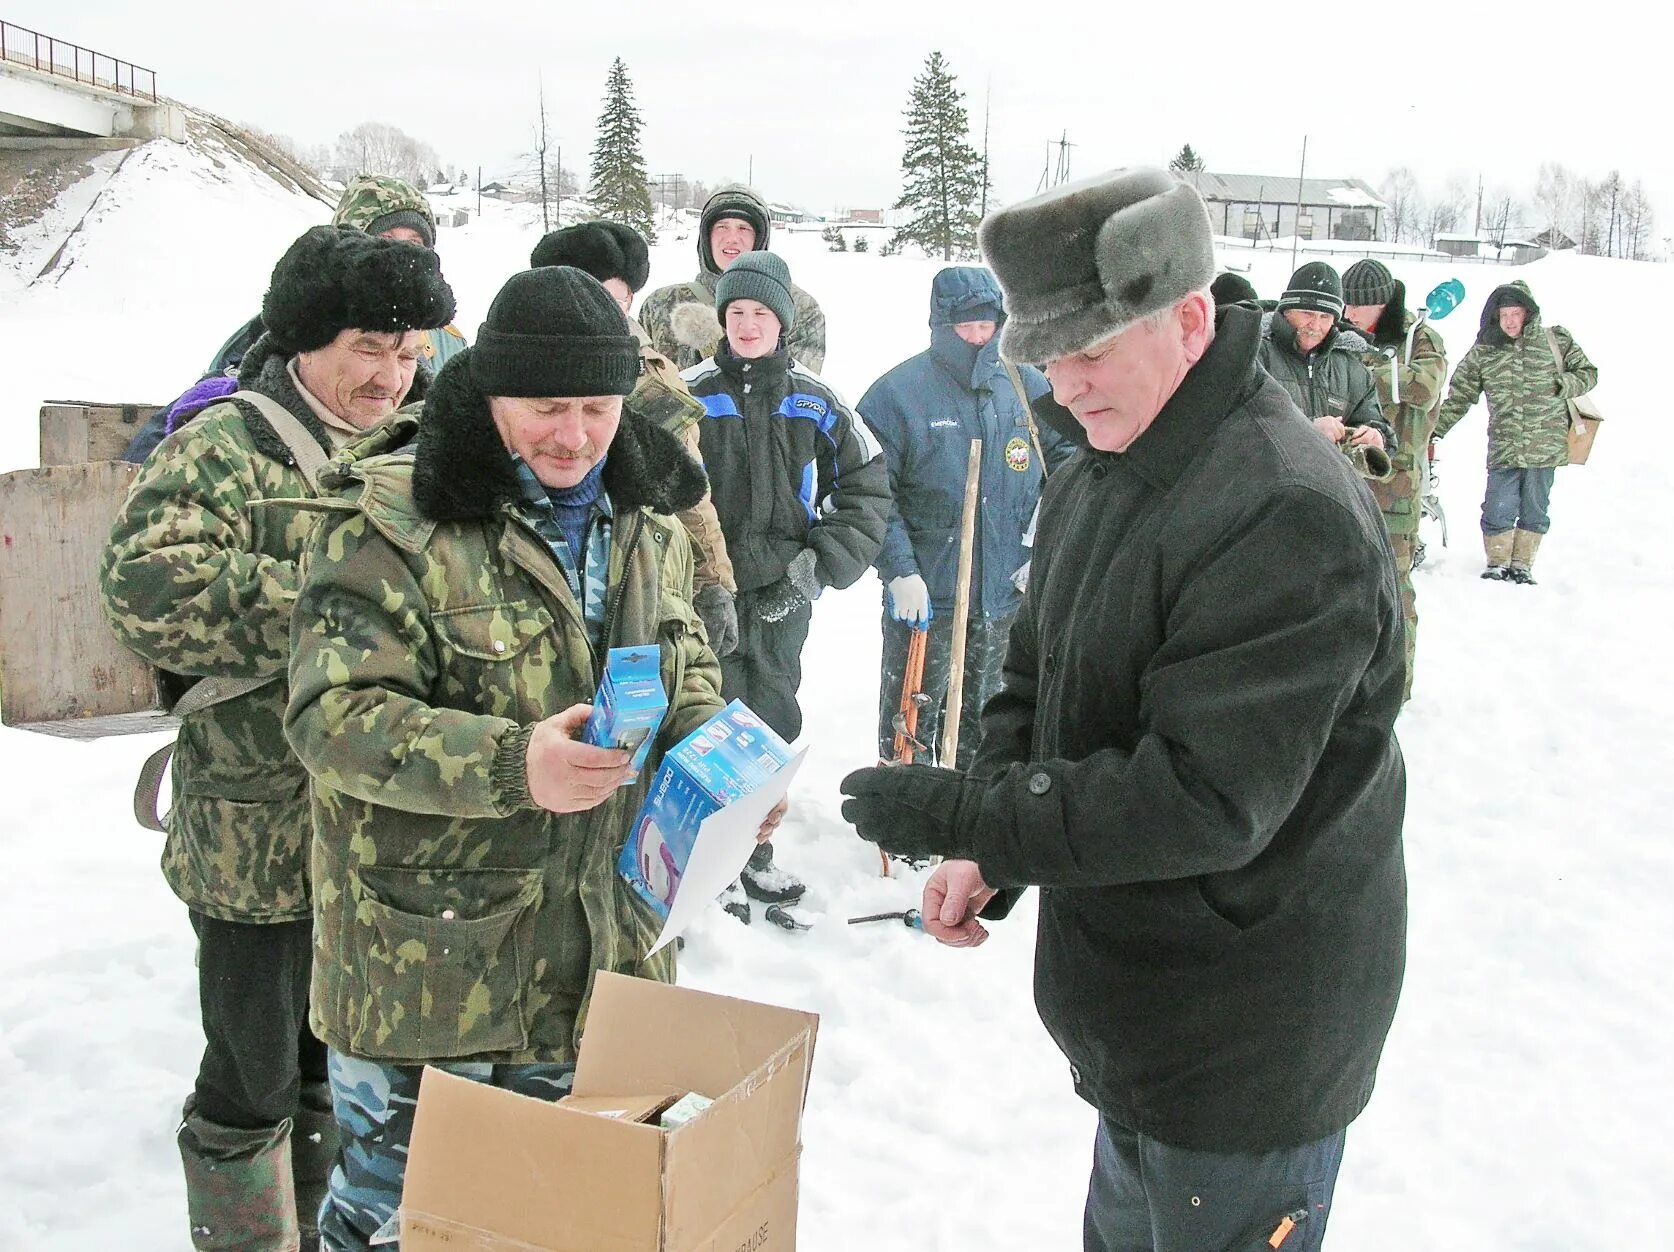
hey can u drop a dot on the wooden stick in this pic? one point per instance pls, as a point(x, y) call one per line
point(961, 607)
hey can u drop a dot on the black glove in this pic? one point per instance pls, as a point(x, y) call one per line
point(714, 604)
point(915, 810)
point(799, 586)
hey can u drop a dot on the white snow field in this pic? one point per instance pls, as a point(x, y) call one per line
point(1524, 1097)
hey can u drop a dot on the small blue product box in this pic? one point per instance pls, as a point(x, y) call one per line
point(727, 757)
point(630, 703)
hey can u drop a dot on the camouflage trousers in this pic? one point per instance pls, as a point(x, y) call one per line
point(1403, 546)
point(374, 1104)
point(985, 654)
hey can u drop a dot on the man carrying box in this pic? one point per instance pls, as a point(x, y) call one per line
point(448, 635)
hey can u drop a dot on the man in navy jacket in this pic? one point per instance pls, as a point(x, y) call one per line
point(925, 412)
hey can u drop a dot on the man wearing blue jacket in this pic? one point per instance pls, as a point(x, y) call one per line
point(925, 412)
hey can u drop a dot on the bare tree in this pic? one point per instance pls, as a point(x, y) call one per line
point(1444, 211)
point(1554, 197)
point(379, 148)
point(1400, 193)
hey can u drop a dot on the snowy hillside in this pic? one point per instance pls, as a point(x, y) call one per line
point(1522, 1103)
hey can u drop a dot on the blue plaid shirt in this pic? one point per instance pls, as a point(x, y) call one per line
point(589, 582)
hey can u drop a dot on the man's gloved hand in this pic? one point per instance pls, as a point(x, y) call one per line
point(909, 601)
point(915, 810)
point(799, 586)
point(714, 604)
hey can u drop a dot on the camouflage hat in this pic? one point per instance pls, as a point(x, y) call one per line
point(336, 278)
point(376, 203)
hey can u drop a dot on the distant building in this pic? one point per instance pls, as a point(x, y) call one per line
point(1270, 206)
point(1485, 248)
point(789, 213)
point(1554, 239)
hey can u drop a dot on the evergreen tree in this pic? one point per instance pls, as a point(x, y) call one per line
point(1186, 163)
point(621, 191)
point(942, 175)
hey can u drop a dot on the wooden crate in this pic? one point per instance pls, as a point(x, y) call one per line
point(62, 672)
point(73, 431)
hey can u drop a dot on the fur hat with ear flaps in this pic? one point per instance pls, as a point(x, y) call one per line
point(336, 278)
point(602, 249)
point(1090, 258)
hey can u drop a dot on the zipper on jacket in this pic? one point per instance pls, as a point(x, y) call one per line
point(615, 604)
point(1286, 1227)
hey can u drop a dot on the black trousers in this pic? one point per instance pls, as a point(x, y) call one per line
point(253, 994)
point(766, 669)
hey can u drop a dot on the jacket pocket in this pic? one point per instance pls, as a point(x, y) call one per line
point(1298, 1226)
point(492, 632)
point(447, 963)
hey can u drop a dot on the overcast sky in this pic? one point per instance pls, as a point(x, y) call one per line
point(810, 97)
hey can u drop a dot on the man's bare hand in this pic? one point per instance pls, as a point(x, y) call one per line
point(953, 897)
point(1367, 437)
point(566, 775)
point(1331, 427)
point(770, 823)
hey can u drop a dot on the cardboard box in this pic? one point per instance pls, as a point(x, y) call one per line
point(493, 1171)
point(732, 755)
point(62, 671)
point(630, 703)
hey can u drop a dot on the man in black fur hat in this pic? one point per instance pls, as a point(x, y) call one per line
point(454, 623)
point(1193, 753)
point(200, 579)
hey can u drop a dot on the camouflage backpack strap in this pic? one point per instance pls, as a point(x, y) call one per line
point(207, 692)
point(1028, 414)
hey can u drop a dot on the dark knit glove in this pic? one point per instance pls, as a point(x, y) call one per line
point(799, 586)
point(915, 810)
point(714, 604)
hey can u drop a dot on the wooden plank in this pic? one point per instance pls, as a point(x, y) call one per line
point(73, 431)
point(62, 671)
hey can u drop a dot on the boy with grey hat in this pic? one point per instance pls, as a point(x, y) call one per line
point(1192, 754)
point(803, 498)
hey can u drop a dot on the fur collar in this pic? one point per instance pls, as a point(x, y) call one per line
point(461, 469)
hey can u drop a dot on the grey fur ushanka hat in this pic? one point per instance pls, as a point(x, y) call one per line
point(1085, 260)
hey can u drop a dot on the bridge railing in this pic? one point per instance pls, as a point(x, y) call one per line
point(21, 46)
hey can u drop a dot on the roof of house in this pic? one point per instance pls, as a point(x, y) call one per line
point(1342, 193)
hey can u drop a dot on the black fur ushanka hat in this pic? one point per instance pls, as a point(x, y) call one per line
point(335, 278)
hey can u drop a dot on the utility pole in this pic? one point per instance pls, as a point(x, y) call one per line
point(1477, 230)
point(1296, 222)
point(479, 191)
point(558, 196)
point(987, 99)
point(750, 178)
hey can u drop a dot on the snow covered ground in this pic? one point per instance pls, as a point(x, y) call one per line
point(1522, 1103)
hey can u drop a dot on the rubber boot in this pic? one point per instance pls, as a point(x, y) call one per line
point(239, 1192)
point(1498, 548)
point(314, 1143)
point(1523, 549)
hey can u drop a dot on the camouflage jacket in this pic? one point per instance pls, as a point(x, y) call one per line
point(1410, 370)
point(681, 322)
point(454, 919)
point(662, 396)
point(200, 579)
point(1528, 417)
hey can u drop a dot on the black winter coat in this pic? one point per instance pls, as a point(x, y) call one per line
point(790, 467)
point(1195, 760)
point(1330, 381)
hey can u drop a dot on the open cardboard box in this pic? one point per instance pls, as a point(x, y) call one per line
point(493, 1171)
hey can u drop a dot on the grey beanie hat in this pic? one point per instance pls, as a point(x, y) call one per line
point(1090, 258)
point(1368, 282)
point(762, 276)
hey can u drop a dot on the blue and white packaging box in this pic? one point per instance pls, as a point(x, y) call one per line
point(720, 782)
point(630, 703)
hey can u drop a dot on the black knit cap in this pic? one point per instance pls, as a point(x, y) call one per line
point(337, 278)
point(554, 331)
point(411, 219)
point(602, 249)
point(1230, 288)
point(1314, 286)
point(1368, 282)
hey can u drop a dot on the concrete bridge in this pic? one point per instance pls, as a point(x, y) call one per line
point(50, 88)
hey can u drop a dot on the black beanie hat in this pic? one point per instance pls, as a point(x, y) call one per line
point(1230, 288)
point(1368, 282)
point(337, 278)
point(762, 276)
point(412, 219)
point(1314, 286)
point(602, 249)
point(554, 331)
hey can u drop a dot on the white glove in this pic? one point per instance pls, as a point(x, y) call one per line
point(909, 600)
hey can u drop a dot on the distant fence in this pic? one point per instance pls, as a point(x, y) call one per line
point(22, 46)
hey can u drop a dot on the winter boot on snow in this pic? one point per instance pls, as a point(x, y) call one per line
point(1498, 548)
point(767, 882)
point(734, 901)
point(240, 1196)
point(1523, 549)
point(314, 1142)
